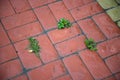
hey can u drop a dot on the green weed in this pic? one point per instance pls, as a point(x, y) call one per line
point(64, 23)
point(90, 43)
point(33, 46)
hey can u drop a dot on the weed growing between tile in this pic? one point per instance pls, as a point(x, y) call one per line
point(64, 23)
point(90, 43)
point(34, 47)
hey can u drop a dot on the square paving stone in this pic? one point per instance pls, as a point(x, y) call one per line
point(107, 3)
point(114, 13)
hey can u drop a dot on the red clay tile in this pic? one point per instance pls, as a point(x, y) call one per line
point(95, 64)
point(46, 17)
point(77, 68)
point(5, 8)
point(60, 35)
point(117, 76)
point(110, 78)
point(71, 46)
point(70, 4)
point(20, 5)
point(109, 47)
point(10, 69)
point(47, 72)
point(4, 38)
point(60, 11)
point(108, 27)
point(66, 77)
point(85, 11)
point(7, 53)
point(22, 77)
point(47, 52)
point(91, 30)
point(113, 63)
point(18, 19)
point(36, 3)
point(25, 31)
point(87, 1)
point(29, 60)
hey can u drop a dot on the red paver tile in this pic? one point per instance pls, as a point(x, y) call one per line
point(108, 27)
point(113, 63)
point(70, 46)
point(4, 38)
point(91, 30)
point(18, 19)
point(7, 53)
point(29, 60)
point(46, 17)
point(22, 77)
point(47, 52)
point(77, 68)
point(25, 31)
point(109, 47)
point(110, 78)
point(70, 4)
point(60, 35)
point(5, 8)
point(66, 77)
point(85, 11)
point(36, 3)
point(95, 64)
point(117, 76)
point(47, 72)
point(10, 69)
point(60, 11)
point(20, 5)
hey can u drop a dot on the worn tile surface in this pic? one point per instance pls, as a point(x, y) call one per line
point(63, 54)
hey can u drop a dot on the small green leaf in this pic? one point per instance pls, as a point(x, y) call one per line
point(90, 44)
point(64, 23)
point(34, 47)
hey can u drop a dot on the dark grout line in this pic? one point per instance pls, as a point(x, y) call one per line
point(82, 5)
point(12, 45)
point(58, 55)
point(41, 27)
point(49, 39)
point(77, 35)
point(108, 39)
point(85, 66)
point(99, 28)
point(107, 77)
point(110, 56)
point(12, 6)
point(88, 17)
point(104, 63)
point(9, 60)
point(22, 25)
point(60, 76)
point(45, 32)
point(111, 76)
point(55, 47)
point(5, 45)
point(44, 4)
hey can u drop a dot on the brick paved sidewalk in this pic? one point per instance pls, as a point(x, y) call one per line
point(63, 55)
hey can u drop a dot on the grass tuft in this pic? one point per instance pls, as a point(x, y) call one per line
point(33, 46)
point(64, 23)
point(90, 43)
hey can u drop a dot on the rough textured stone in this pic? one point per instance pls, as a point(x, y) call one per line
point(118, 1)
point(114, 13)
point(118, 23)
point(107, 3)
